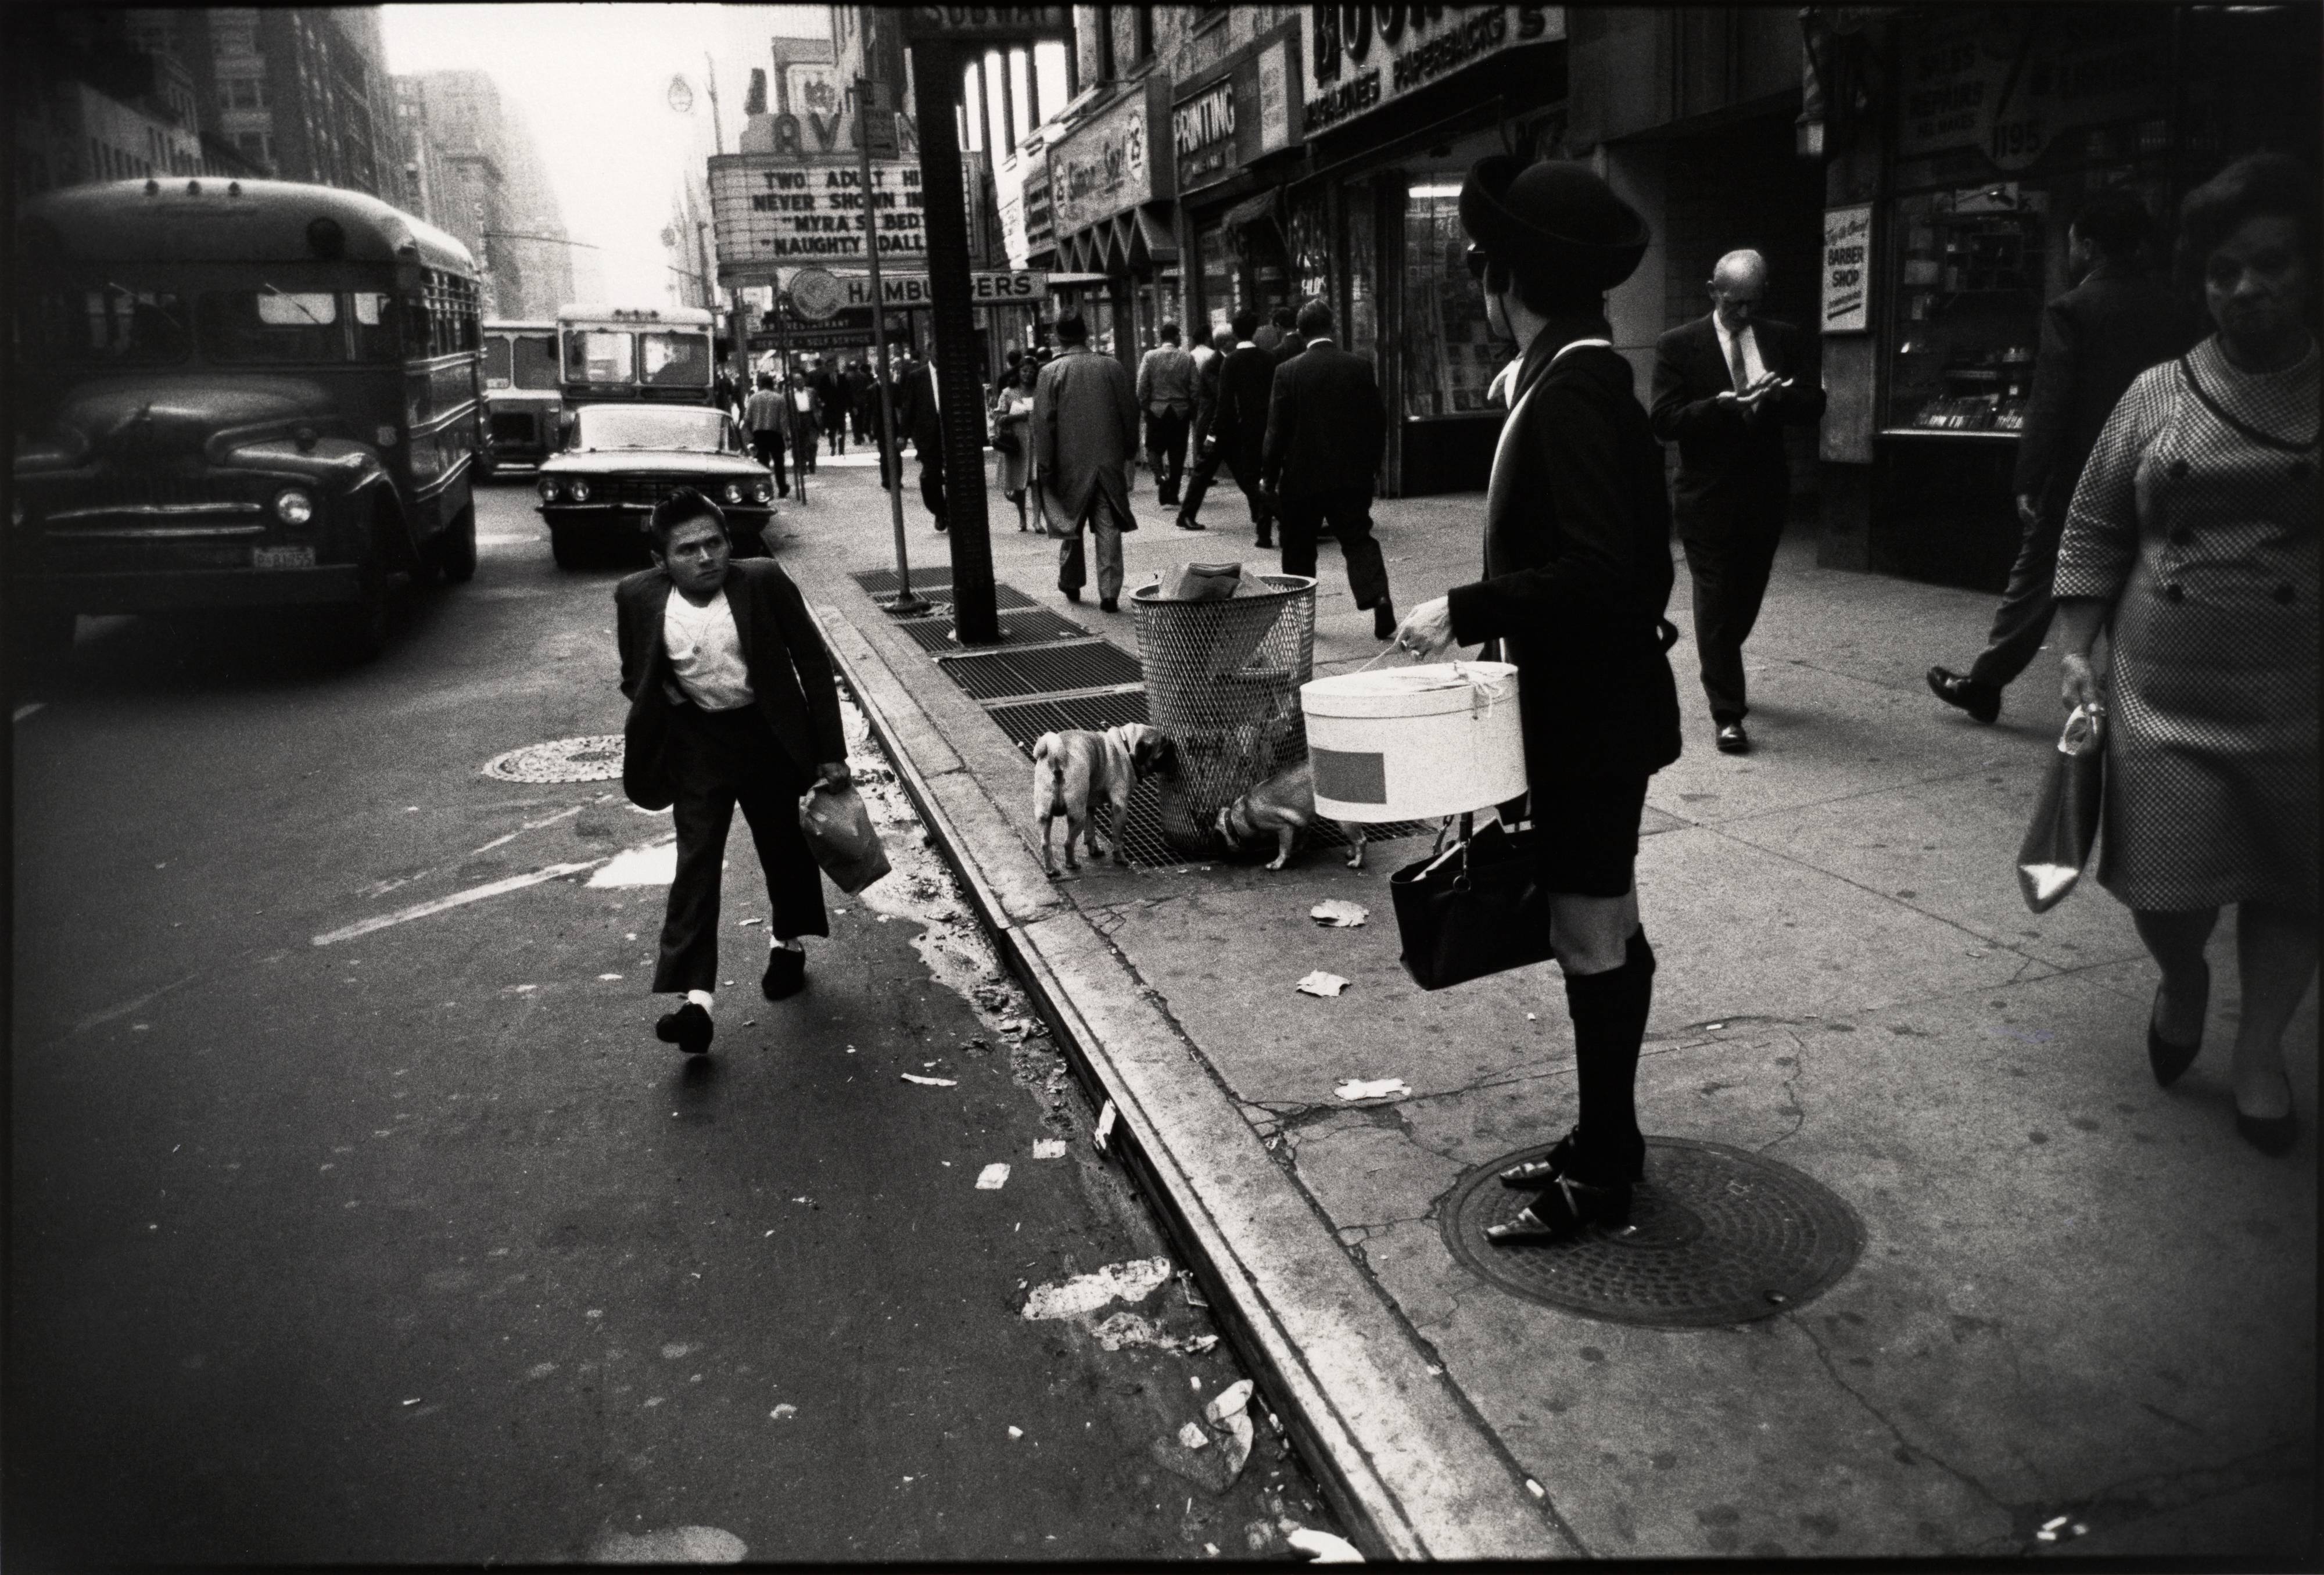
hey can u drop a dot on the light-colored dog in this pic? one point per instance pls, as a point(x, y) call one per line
point(1284, 807)
point(1078, 772)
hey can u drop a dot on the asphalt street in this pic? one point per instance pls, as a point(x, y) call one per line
point(341, 1241)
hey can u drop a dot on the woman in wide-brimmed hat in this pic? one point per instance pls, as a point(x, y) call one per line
point(1577, 575)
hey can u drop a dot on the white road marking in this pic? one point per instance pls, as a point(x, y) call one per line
point(97, 1019)
point(27, 709)
point(458, 899)
point(527, 826)
point(654, 864)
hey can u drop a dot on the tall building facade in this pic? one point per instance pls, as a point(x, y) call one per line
point(105, 95)
point(487, 184)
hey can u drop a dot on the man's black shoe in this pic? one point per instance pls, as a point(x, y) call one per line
point(785, 973)
point(1384, 620)
point(1981, 701)
point(1108, 605)
point(1072, 593)
point(688, 1027)
point(1733, 739)
point(1267, 541)
point(1182, 523)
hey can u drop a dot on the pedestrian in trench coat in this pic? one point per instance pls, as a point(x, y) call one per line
point(1085, 436)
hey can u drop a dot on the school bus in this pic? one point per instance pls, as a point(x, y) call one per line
point(237, 393)
point(523, 408)
point(660, 353)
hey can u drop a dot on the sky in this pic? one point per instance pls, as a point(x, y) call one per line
point(593, 82)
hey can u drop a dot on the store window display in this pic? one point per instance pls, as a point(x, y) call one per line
point(1450, 354)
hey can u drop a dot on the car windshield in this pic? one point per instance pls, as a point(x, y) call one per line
point(603, 426)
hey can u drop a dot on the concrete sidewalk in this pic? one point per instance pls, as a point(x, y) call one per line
point(2076, 1295)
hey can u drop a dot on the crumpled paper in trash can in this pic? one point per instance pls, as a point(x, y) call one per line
point(1214, 582)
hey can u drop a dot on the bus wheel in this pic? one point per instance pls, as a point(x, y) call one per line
point(44, 638)
point(565, 547)
point(359, 628)
point(455, 550)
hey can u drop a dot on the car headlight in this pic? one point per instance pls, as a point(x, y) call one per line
point(761, 492)
point(15, 511)
point(577, 490)
point(734, 492)
point(293, 507)
point(549, 489)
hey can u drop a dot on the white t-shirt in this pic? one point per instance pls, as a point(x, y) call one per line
point(706, 653)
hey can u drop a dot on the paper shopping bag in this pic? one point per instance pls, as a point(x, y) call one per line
point(2066, 814)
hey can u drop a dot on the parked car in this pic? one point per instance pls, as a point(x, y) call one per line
point(624, 459)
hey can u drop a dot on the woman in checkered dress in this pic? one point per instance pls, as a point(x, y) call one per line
point(2193, 536)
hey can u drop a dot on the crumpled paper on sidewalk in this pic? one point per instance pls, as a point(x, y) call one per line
point(1319, 982)
point(1230, 1412)
point(1130, 1282)
point(1325, 1548)
point(1340, 914)
point(1381, 1087)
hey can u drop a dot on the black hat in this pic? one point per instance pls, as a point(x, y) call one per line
point(1555, 216)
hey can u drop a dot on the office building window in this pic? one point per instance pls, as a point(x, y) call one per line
point(233, 37)
point(1141, 33)
point(242, 92)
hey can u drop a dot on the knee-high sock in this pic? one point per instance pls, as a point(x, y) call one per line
point(1610, 1024)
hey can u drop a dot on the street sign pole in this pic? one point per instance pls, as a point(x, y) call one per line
point(791, 393)
point(908, 602)
point(936, 79)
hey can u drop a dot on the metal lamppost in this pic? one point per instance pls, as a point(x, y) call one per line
point(908, 602)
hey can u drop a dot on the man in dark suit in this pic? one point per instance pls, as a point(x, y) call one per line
point(1288, 338)
point(1325, 433)
point(2110, 327)
point(1577, 574)
point(1238, 429)
point(731, 702)
point(920, 418)
point(1726, 386)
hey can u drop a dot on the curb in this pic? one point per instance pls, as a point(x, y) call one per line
point(1404, 1463)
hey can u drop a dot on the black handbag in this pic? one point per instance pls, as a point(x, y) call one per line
point(1474, 908)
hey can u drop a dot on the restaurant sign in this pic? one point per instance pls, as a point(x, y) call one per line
point(1106, 165)
point(1364, 58)
point(1240, 110)
point(772, 211)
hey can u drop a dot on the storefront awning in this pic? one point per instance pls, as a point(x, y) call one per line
point(1152, 241)
point(1253, 210)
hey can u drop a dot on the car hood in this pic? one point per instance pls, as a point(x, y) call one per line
point(149, 419)
point(633, 461)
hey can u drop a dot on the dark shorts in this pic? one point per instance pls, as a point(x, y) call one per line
point(1590, 833)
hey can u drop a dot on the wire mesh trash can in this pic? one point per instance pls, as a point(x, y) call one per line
point(1222, 680)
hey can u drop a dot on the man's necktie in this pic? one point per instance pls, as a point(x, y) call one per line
point(1735, 362)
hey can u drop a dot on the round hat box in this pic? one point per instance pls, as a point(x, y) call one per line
point(1414, 744)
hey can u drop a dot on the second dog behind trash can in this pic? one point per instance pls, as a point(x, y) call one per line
point(1284, 807)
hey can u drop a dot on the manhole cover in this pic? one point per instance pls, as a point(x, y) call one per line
point(594, 758)
point(1718, 1236)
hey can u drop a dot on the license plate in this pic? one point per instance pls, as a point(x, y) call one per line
point(281, 557)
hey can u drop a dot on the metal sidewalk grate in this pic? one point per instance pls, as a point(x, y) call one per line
point(993, 675)
point(883, 582)
point(1019, 626)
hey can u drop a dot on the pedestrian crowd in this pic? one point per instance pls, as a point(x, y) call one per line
point(2166, 488)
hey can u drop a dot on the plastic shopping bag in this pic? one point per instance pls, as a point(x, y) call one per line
point(839, 835)
point(2066, 814)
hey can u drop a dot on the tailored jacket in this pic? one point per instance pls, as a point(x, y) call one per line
point(1246, 386)
point(918, 421)
point(1725, 455)
point(2096, 339)
point(1578, 570)
point(1326, 429)
point(1165, 379)
point(1206, 395)
point(791, 673)
point(1084, 433)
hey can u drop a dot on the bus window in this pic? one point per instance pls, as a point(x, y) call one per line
point(535, 360)
point(266, 324)
point(378, 335)
point(113, 327)
point(599, 355)
point(676, 361)
point(496, 362)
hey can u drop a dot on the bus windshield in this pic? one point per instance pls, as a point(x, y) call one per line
point(535, 358)
point(600, 356)
point(677, 360)
point(112, 327)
